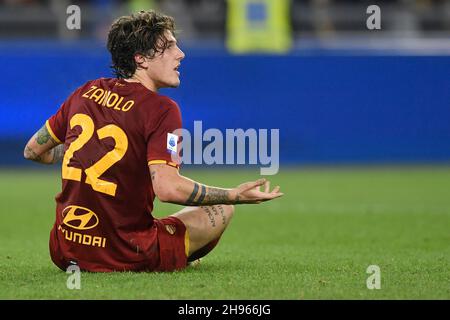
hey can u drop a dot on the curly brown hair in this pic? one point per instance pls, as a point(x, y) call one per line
point(140, 33)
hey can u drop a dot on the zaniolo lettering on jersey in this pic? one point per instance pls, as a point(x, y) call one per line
point(108, 99)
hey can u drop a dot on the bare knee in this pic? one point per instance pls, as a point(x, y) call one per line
point(231, 209)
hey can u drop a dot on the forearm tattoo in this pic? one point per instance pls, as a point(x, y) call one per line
point(51, 156)
point(58, 153)
point(217, 196)
point(32, 155)
point(202, 195)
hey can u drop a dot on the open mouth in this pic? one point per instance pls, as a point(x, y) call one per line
point(176, 70)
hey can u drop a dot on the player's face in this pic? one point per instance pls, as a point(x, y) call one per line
point(163, 68)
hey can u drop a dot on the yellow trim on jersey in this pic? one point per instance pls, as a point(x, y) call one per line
point(157, 162)
point(172, 164)
point(49, 129)
point(186, 243)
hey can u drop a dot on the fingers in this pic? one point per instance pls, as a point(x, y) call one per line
point(271, 197)
point(275, 193)
point(254, 184)
point(258, 191)
point(258, 184)
point(267, 186)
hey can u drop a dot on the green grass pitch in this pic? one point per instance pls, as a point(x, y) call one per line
point(314, 243)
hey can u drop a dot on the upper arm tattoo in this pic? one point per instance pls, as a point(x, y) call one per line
point(43, 148)
point(153, 173)
point(43, 136)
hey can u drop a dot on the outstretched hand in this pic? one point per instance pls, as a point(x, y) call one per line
point(250, 192)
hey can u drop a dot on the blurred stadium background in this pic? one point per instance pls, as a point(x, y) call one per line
point(339, 93)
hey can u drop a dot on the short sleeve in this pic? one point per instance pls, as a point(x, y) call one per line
point(57, 123)
point(163, 141)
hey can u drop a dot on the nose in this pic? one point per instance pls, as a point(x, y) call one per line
point(181, 54)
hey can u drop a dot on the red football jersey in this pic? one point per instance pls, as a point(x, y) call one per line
point(111, 130)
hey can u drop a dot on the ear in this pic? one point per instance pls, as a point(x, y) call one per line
point(141, 61)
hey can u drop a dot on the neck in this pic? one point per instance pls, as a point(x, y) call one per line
point(145, 81)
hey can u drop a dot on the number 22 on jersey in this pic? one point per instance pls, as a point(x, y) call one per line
point(109, 159)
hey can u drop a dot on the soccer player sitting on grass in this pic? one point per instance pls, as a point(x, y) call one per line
point(113, 137)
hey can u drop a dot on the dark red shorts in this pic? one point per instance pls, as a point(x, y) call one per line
point(171, 244)
point(173, 241)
